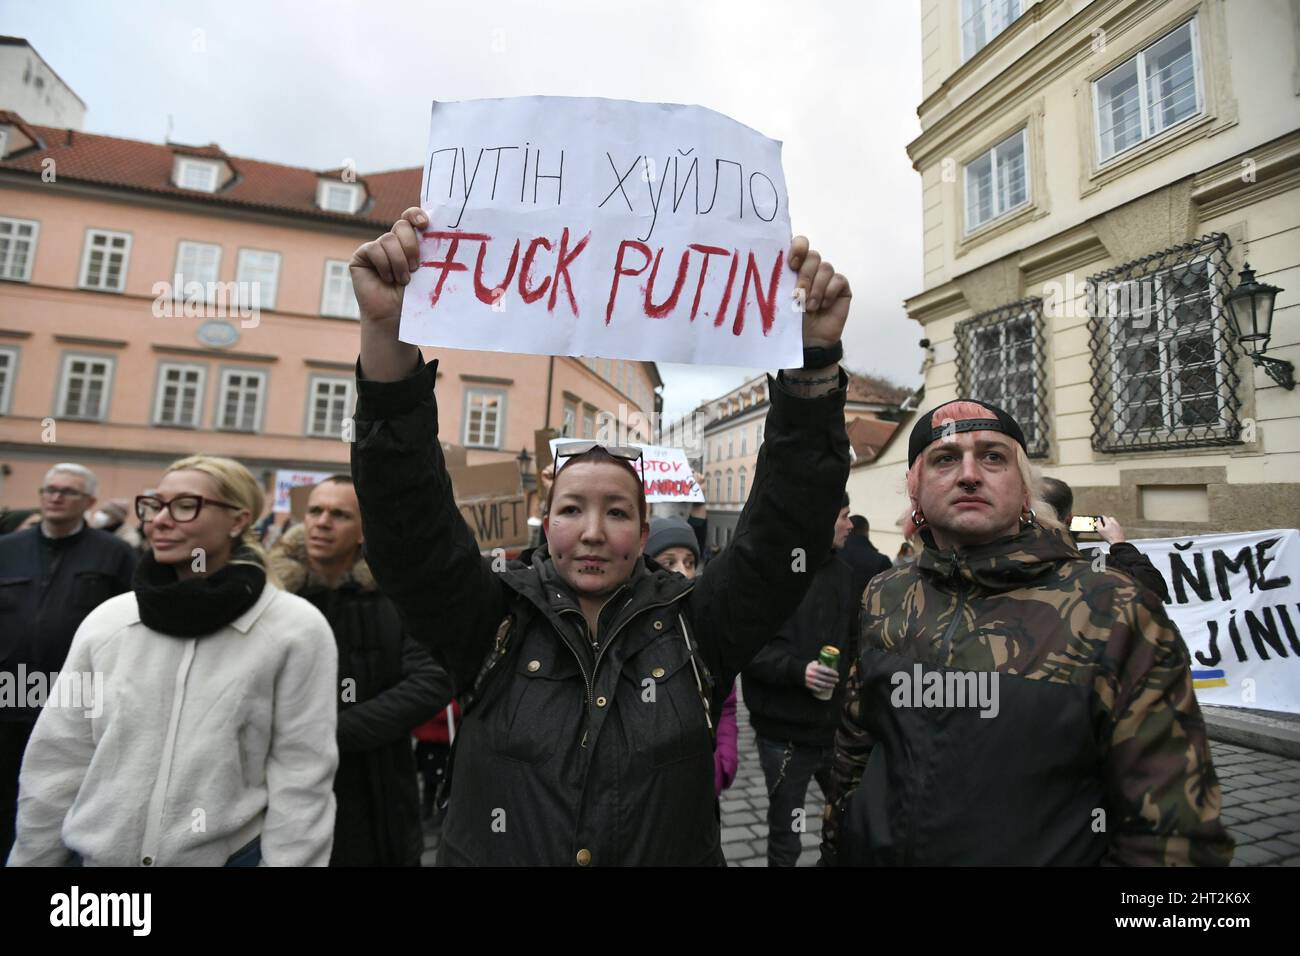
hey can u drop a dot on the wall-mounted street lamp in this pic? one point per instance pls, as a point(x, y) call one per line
point(1250, 306)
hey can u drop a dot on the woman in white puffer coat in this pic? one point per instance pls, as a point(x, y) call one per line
point(193, 723)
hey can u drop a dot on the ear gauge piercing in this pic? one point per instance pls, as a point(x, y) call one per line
point(918, 519)
point(1030, 520)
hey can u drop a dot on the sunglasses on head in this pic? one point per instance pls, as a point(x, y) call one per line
point(572, 449)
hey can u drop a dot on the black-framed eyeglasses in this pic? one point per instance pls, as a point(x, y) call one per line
point(50, 491)
point(572, 449)
point(182, 508)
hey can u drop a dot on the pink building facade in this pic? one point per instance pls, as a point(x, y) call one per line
point(102, 364)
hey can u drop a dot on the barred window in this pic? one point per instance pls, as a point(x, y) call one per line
point(1163, 364)
point(1002, 358)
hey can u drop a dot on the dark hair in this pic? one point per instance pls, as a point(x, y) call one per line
point(599, 456)
point(860, 524)
point(340, 479)
point(1058, 494)
point(845, 503)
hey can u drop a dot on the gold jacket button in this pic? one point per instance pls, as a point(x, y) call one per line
point(601, 702)
point(534, 666)
point(657, 672)
point(147, 861)
point(584, 857)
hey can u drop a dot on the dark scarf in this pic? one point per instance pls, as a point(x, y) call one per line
point(197, 607)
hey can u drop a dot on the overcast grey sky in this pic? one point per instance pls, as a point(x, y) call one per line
point(315, 83)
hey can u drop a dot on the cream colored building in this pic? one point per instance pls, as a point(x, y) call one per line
point(1094, 176)
point(722, 438)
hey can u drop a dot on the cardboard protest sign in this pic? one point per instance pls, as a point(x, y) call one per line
point(493, 504)
point(574, 226)
point(284, 480)
point(666, 472)
point(1236, 601)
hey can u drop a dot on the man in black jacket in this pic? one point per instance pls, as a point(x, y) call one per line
point(1123, 556)
point(794, 701)
point(388, 683)
point(861, 555)
point(51, 577)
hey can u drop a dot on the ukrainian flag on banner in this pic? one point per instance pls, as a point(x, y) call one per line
point(1204, 679)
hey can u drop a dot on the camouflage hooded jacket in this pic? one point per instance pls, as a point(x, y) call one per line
point(1013, 705)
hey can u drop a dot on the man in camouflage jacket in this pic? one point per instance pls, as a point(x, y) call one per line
point(1011, 705)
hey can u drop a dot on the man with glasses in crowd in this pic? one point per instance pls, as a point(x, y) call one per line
point(51, 576)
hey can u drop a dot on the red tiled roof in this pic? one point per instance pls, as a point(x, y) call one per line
point(873, 390)
point(868, 436)
point(147, 167)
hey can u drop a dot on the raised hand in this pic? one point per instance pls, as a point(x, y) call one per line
point(826, 295)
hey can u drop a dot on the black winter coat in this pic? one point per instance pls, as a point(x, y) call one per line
point(566, 755)
point(1127, 558)
point(781, 707)
point(395, 687)
point(861, 555)
point(37, 624)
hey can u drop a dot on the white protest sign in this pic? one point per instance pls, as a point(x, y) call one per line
point(284, 480)
point(666, 472)
point(1236, 601)
point(594, 227)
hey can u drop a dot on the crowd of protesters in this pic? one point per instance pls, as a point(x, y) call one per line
point(247, 693)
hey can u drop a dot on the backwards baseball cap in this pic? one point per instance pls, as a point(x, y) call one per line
point(925, 433)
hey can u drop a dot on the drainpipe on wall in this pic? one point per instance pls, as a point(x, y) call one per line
point(550, 377)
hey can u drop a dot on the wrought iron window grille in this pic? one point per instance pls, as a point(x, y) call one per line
point(1002, 359)
point(1164, 360)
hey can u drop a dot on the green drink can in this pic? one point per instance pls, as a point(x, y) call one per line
point(829, 657)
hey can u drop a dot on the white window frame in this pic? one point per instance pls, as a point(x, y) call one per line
point(1144, 120)
point(244, 280)
point(588, 422)
point(160, 387)
point(8, 375)
point(348, 309)
point(349, 402)
point(65, 375)
point(467, 407)
point(108, 234)
point(219, 417)
point(985, 10)
point(730, 486)
point(998, 210)
point(196, 250)
point(569, 420)
point(4, 142)
point(329, 188)
point(1164, 336)
point(6, 259)
point(212, 171)
point(742, 476)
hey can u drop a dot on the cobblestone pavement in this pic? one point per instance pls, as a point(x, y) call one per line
point(1261, 805)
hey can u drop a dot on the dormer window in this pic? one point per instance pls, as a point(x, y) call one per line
point(197, 174)
point(333, 196)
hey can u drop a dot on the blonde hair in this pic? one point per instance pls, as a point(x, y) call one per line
point(237, 486)
point(1030, 476)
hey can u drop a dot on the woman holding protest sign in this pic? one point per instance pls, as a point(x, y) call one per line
point(588, 677)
